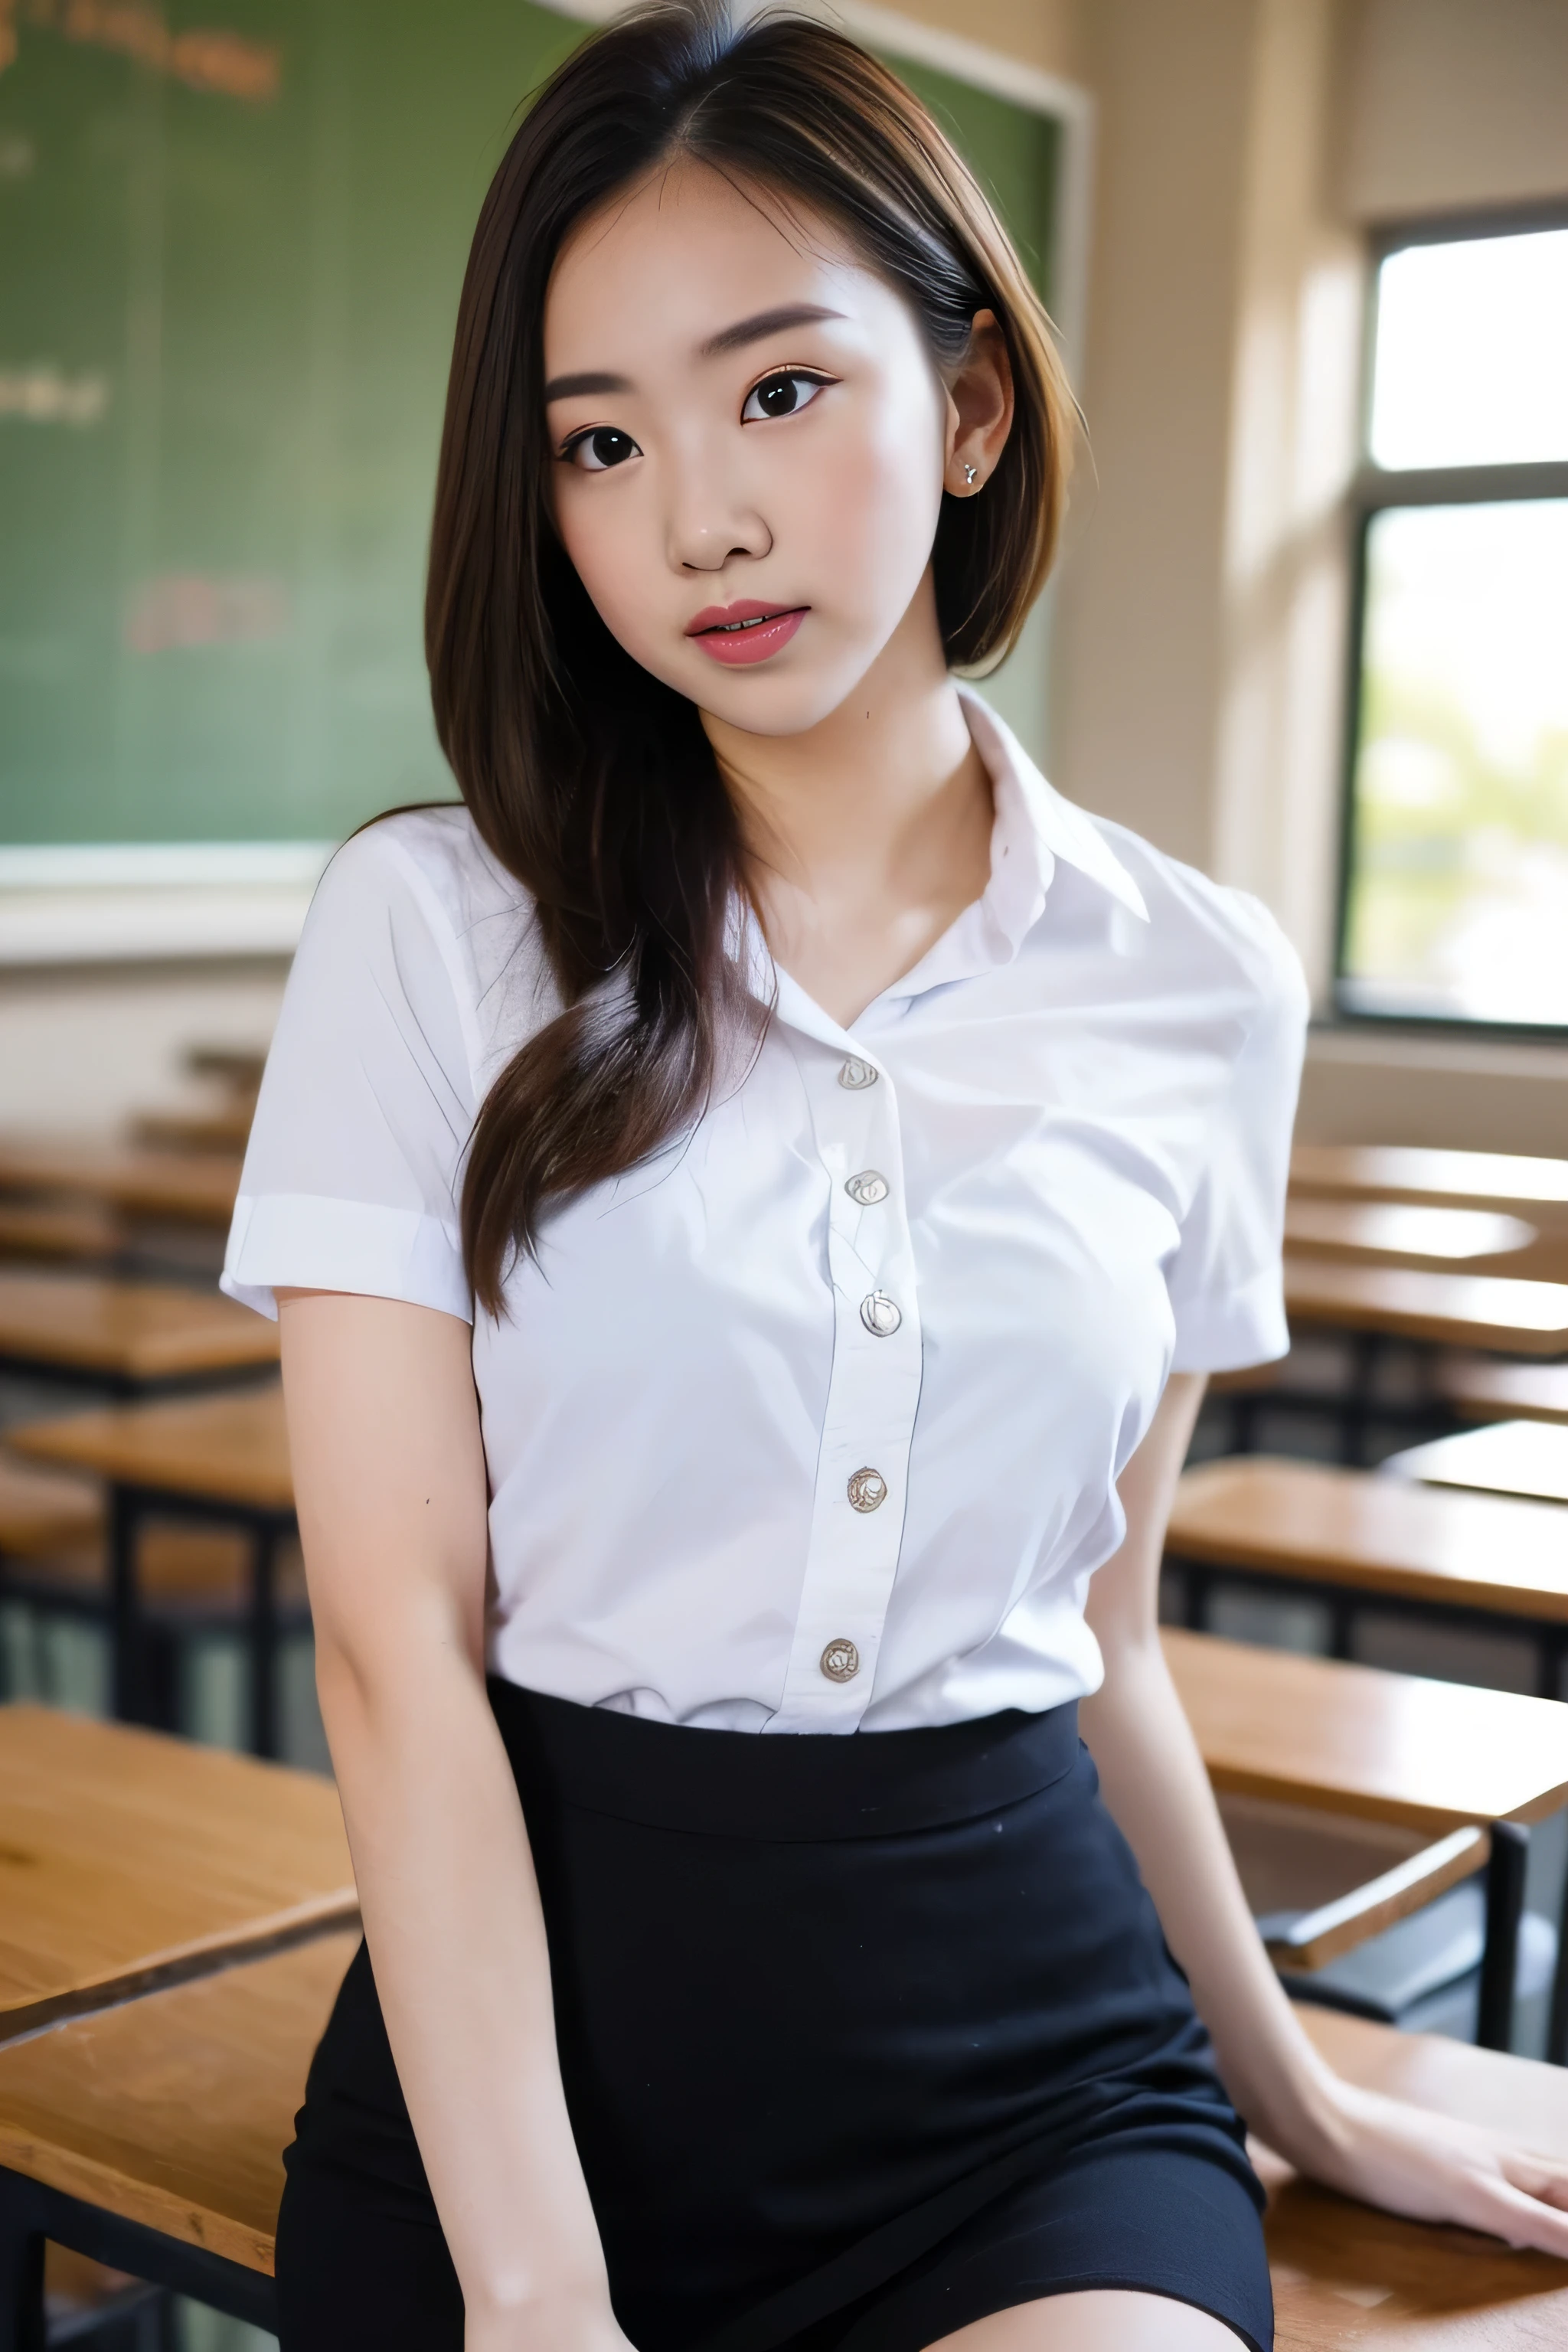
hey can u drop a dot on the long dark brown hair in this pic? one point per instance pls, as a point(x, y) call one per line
point(590, 781)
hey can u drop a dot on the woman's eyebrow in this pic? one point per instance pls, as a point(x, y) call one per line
point(563, 387)
point(764, 323)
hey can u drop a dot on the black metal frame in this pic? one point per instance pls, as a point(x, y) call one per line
point(1374, 491)
point(31, 2211)
point(130, 1507)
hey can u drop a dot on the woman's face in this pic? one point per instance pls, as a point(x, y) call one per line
point(750, 445)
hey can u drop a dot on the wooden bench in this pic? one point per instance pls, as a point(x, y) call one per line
point(1506, 1457)
point(131, 1860)
point(127, 1337)
point(152, 2138)
point(1356, 1741)
point(197, 1188)
point(219, 1460)
point(1479, 1388)
point(1534, 1189)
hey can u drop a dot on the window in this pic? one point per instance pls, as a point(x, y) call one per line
point(1455, 895)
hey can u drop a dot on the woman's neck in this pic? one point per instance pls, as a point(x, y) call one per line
point(869, 834)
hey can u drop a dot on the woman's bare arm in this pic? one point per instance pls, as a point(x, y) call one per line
point(1153, 1780)
point(389, 1470)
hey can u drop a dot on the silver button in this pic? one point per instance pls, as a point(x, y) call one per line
point(868, 1188)
point(868, 1490)
point(841, 1661)
point(854, 1073)
point(881, 1313)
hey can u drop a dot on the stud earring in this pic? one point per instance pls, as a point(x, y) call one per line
point(969, 472)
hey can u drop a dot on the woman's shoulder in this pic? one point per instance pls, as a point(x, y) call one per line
point(419, 890)
point(1205, 936)
point(433, 855)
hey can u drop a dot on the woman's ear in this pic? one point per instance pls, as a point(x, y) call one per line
point(979, 409)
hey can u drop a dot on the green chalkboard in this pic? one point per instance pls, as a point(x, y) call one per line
point(229, 263)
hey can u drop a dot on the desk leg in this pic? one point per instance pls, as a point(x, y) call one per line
point(22, 2328)
point(125, 1615)
point(1557, 2018)
point(1367, 1351)
point(1505, 1908)
point(264, 1640)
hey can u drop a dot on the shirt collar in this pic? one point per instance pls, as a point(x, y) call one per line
point(1033, 828)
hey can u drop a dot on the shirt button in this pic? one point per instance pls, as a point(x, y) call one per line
point(841, 1661)
point(868, 1490)
point(854, 1073)
point(868, 1188)
point(881, 1313)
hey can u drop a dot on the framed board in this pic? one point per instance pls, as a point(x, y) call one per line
point(229, 264)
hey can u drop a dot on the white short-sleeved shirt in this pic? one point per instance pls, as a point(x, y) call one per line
point(813, 1422)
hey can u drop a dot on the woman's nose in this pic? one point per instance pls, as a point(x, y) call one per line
point(708, 527)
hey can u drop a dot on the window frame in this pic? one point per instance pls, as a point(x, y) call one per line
point(1375, 489)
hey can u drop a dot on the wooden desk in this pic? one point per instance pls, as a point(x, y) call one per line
point(195, 1188)
point(1479, 1388)
point(1347, 2279)
point(225, 1130)
point(73, 1233)
point(41, 1513)
point(1355, 1739)
point(151, 2136)
point(1536, 1190)
point(1360, 1534)
point(222, 1459)
point(1390, 1232)
point(238, 1067)
point(1320, 1732)
point(126, 1336)
point(131, 1860)
point(1506, 1457)
point(1451, 1310)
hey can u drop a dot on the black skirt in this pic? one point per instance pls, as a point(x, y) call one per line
point(863, 2037)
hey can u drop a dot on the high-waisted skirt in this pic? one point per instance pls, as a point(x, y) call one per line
point(864, 2037)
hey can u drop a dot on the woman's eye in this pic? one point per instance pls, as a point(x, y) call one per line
point(781, 395)
point(596, 452)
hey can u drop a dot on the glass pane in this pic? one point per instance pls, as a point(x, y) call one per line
point(1470, 365)
point(1458, 905)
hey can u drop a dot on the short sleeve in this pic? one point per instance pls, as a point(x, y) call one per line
point(1225, 1281)
point(352, 1172)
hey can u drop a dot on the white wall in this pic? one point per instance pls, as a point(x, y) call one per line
point(80, 1051)
point(1452, 103)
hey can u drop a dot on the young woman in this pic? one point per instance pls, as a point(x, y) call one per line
point(752, 1195)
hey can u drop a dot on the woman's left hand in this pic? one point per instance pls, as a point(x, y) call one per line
point(1434, 2168)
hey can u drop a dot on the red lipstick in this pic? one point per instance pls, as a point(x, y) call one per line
point(746, 631)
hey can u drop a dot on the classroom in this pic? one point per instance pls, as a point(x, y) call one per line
point(1306, 267)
